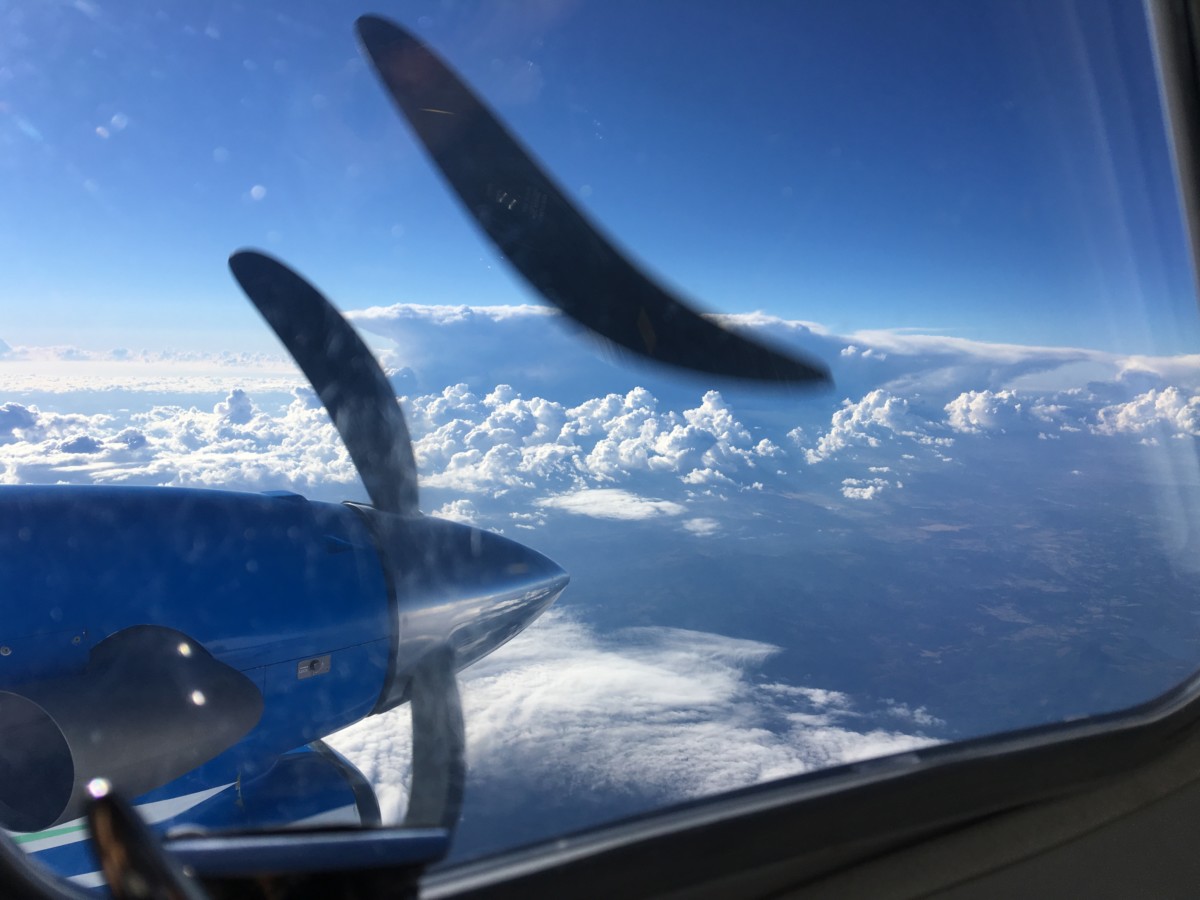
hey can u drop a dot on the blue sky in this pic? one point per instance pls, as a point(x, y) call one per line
point(990, 170)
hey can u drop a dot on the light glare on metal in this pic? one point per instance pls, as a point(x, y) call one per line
point(98, 787)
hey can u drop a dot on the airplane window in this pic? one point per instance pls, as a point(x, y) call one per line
point(925, 470)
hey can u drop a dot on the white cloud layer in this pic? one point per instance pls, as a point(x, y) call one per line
point(612, 503)
point(67, 370)
point(976, 411)
point(1170, 410)
point(558, 436)
point(665, 712)
point(877, 418)
point(236, 444)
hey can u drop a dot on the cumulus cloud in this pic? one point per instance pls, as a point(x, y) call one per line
point(459, 511)
point(1170, 410)
point(976, 411)
point(237, 408)
point(499, 441)
point(878, 417)
point(665, 712)
point(702, 526)
point(234, 445)
point(633, 435)
point(919, 716)
point(486, 443)
point(558, 428)
point(14, 417)
point(512, 444)
point(612, 503)
point(81, 444)
point(866, 488)
point(868, 353)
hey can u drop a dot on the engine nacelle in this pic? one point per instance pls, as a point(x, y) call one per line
point(151, 705)
point(455, 588)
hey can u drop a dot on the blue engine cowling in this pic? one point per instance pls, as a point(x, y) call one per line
point(325, 610)
point(290, 593)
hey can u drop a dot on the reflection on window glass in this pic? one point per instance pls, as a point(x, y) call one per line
point(966, 211)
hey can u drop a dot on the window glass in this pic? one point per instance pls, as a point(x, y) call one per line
point(967, 211)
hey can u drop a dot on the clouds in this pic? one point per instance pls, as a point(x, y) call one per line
point(905, 402)
point(236, 409)
point(482, 346)
point(866, 488)
point(632, 435)
point(976, 411)
point(468, 444)
point(47, 370)
point(14, 418)
point(879, 416)
point(611, 503)
point(471, 443)
point(81, 444)
point(1170, 410)
point(660, 713)
point(500, 441)
point(236, 445)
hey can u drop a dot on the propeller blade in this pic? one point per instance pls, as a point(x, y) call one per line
point(439, 766)
point(546, 239)
point(130, 855)
point(343, 372)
